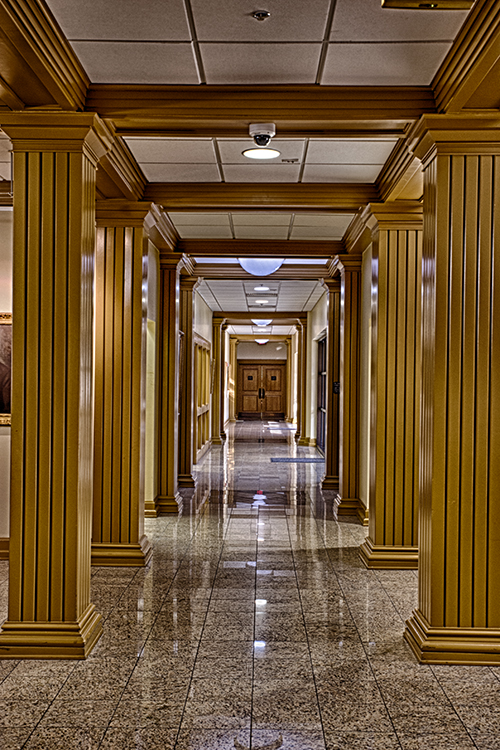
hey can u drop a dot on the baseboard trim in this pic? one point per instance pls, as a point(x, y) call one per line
point(4, 548)
point(166, 504)
point(107, 554)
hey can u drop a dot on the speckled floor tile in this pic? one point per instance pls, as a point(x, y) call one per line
point(213, 739)
point(361, 741)
point(426, 741)
point(13, 738)
point(150, 737)
point(140, 713)
point(65, 738)
point(291, 738)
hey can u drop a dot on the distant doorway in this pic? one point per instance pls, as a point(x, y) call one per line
point(321, 416)
point(261, 390)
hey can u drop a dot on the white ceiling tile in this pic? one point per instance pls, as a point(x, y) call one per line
point(337, 221)
point(316, 233)
point(173, 150)
point(263, 233)
point(125, 62)
point(351, 151)
point(290, 21)
point(392, 64)
point(365, 20)
point(181, 172)
point(204, 232)
point(231, 150)
point(188, 218)
point(340, 173)
point(261, 172)
point(262, 219)
point(260, 63)
point(128, 20)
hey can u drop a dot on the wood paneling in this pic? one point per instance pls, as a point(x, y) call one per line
point(261, 390)
point(120, 397)
point(302, 433)
point(50, 614)
point(395, 391)
point(186, 383)
point(458, 616)
point(202, 440)
point(217, 385)
point(277, 248)
point(332, 456)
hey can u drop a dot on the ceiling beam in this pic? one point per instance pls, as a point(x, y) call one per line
point(226, 111)
point(235, 272)
point(224, 196)
point(277, 248)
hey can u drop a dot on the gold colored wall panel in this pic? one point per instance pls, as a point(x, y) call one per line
point(458, 616)
point(302, 434)
point(186, 384)
point(331, 478)
point(217, 383)
point(120, 390)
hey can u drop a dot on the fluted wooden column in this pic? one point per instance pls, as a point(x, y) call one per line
point(186, 385)
point(289, 392)
point(301, 436)
point(222, 380)
point(347, 500)
point(216, 375)
point(120, 386)
point(168, 499)
point(458, 615)
point(331, 477)
point(233, 374)
point(396, 229)
point(55, 158)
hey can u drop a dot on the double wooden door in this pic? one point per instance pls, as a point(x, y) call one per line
point(261, 390)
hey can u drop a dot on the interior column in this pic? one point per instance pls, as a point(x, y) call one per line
point(347, 499)
point(55, 158)
point(222, 380)
point(233, 374)
point(331, 477)
point(186, 382)
point(458, 615)
point(168, 499)
point(216, 380)
point(396, 277)
point(120, 385)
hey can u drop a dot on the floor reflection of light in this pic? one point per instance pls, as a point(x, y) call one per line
point(261, 602)
point(259, 644)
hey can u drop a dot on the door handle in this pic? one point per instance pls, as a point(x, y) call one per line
point(262, 393)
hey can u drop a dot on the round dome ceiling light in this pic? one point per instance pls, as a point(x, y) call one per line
point(261, 341)
point(262, 322)
point(261, 153)
point(260, 266)
point(261, 288)
point(261, 301)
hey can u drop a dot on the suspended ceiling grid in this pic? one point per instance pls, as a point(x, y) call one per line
point(241, 296)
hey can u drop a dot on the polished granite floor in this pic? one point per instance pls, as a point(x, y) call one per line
point(255, 626)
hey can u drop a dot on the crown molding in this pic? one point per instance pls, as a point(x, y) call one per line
point(278, 248)
point(162, 232)
point(34, 40)
point(119, 175)
point(223, 196)
point(391, 216)
point(472, 63)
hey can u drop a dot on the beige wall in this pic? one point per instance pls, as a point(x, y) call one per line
point(317, 321)
point(202, 318)
point(5, 306)
point(366, 323)
point(251, 350)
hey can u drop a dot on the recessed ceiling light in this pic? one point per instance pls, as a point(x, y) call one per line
point(261, 301)
point(261, 288)
point(261, 153)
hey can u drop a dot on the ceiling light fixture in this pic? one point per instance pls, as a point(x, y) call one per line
point(261, 322)
point(262, 132)
point(260, 266)
point(261, 288)
point(261, 301)
point(261, 341)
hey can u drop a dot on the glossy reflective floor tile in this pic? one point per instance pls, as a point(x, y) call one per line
point(254, 627)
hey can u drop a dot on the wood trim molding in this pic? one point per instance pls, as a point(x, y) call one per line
point(31, 30)
point(122, 171)
point(4, 548)
point(277, 248)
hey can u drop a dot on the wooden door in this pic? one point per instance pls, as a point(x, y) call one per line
point(261, 390)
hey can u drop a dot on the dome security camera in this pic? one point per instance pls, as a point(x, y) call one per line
point(262, 132)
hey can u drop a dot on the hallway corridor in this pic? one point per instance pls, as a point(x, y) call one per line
point(254, 626)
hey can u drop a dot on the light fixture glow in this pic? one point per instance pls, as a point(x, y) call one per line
point(261, 153)
point(260, 266)
point(261, 301)
point(262, 322)
point(261, 288)
point(261, 341)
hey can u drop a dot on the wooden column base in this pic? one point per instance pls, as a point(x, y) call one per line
point(452, 645)
point(217, 440)
point(330, 482)
point(186, 480)
point(109, 554)
point(168, 504)
point(385, 557)
point(51, 640)
point(348, 506)
point(303, 441)
point(4, 548)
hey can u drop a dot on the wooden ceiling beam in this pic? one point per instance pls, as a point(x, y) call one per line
point(223, 196)
point(275, 248)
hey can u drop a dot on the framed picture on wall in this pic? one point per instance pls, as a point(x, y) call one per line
point(5, 366)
